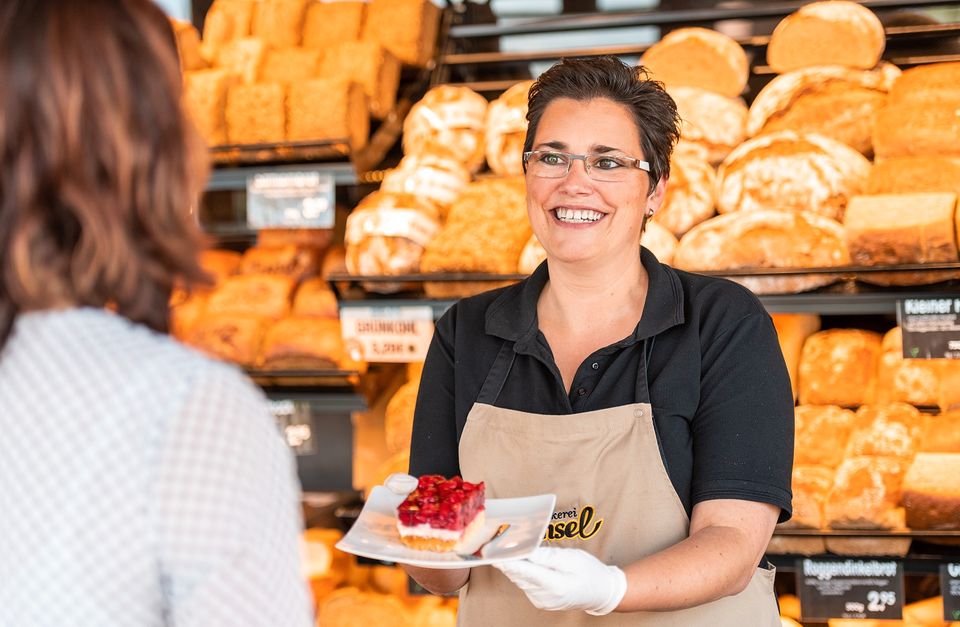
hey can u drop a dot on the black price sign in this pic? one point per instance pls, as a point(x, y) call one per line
point(950, 588)
point(850, 589)
point(302, 198)
point(931, 327)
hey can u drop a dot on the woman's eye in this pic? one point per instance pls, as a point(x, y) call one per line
point(551, 158)
point(608, 163)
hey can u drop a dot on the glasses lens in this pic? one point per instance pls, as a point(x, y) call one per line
point(550, 165)
point(608, 168)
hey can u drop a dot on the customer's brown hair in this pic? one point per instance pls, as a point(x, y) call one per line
point(99, 167)
point(653, 110)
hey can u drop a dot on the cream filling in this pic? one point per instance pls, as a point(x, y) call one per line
point(426, 531)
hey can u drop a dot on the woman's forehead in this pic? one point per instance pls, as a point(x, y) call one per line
point(588, 123)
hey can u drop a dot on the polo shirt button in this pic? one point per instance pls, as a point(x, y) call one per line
point(581, 392)
point(595, 365)
point(638, 413)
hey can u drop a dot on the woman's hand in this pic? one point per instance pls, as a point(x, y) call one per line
point(567, 579)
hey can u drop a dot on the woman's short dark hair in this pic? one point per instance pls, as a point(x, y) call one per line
point(99, 165)
point(654, 111)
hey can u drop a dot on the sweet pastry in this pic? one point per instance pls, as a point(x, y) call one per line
point(448, 120)
point(255, 113)
point(792, 331)
point(506, 129)
point(689, 197)
point(441, 514)
point(835, 32)
point(838, 367)
point(407, 28)
point(698, 57)
point(711, 125)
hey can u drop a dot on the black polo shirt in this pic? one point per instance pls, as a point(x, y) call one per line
point(719, 388)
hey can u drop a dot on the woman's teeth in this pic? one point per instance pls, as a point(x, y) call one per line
point(577, 216)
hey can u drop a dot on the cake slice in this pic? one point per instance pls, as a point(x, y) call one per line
point(441, 514)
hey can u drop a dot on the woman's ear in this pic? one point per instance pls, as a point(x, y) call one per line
point(656, 196)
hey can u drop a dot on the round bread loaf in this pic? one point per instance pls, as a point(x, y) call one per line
point(936, 81)
point(449, 120)
point(689, 198)
point(711, 125)
point(436, 178)
point(835, 32)
point(834, 101)
point(506, 129)
point(791, 171)
point(930, 128)
point(698, 57)
point(766, 239)
point(839, 367)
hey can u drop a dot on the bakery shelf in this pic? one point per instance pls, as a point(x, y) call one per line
point(317, 379)
point(868, 533)
point(235, 178)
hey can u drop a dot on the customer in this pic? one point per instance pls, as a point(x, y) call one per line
point(654, 403)
point(140, 483)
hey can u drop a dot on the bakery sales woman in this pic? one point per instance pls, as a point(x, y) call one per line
point(654, 403)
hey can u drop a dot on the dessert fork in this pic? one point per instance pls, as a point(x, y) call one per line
point(478, 554)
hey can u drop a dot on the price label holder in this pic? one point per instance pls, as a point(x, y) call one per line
point(931, 327)
point(950, 588)
point(387, 334)
point(293, 419)
point(302, 198)
point(850, 588)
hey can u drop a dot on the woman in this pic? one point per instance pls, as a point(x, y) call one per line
point(141, 483)
point(654, 403)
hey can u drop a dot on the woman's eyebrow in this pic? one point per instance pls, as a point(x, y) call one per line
point(601, 149)
point(556, 145)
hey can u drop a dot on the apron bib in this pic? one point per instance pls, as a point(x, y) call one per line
point(614, 500)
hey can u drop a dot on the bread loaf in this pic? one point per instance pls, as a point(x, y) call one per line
point(711, 125)
point(344, 106)
point(838, 367)
point(889, 430)
point(185, 312)
point(689, 197)
point(506, 129)
point(263, 295)
point(292, 261)
point(349, 607)
point(698, 57)
point(232, 337)
point(255, 114)
point(791, 171)
point(926, 83)
point(220, 264)
point(327, 24)
point(765, 239)
point(913, 381)
point(906, 129)
point(449, 120)
point(822, 432)
point(437, 179)
point(188, 46)
point(407, 28)
point(931, 491)
point(371, 65)
point(302, 344)
point(279, 22)
point(865, 494)
point(834, 32)
point(942, 434)
point(290, 65)
point(904, 175)
point(315, 299)
point(792, 332)
point(205, 98)
point(398, 419)
point(832, 101)
point(243, 57)
point(810, 486)
point(226, 21)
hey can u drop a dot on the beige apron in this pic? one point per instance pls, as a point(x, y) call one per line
point(614, 500)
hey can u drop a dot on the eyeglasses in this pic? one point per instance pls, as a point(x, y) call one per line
point(552, 164)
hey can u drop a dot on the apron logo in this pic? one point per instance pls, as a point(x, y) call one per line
point(570, 525)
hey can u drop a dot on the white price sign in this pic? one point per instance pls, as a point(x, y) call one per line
point(291, 199)
point(388, 334)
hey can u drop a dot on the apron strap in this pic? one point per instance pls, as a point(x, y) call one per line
point(497, 377)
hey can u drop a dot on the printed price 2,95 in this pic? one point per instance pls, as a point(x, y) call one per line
point(879, 601)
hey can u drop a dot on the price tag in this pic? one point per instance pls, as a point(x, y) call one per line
point(931, 327)
point(293, 419)
point(950, 588)
point(387, 334)
point(850, 589)
point(291, 199)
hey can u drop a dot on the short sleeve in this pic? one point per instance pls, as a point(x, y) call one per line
point(743, 427)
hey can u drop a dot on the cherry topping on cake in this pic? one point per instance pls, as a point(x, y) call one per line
point(442, 503)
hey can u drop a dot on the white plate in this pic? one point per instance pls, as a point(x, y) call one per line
point(375, 534)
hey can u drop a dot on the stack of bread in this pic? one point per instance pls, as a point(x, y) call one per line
point(265, 67)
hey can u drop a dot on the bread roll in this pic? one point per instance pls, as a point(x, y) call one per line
point(689, 197)
point(290, 65)
point(834, 32)
point(791, 171)
point(220, 264)
point(822, 432)
point(279, 22)
point(904, 175)
point(711, 125)
point(906, 129)
point(205, 98)
point(327, 24)
point(889, 430)
point(766, 239)
point(263, 295)
point(506, 129)
point(255, 114)
point(810, 486)
point(931, 491)
point(371, 65)
point(655, 238)
point(925, 83)
point(226, 21)
point(449, 120)
point(437, 179)
point(302, 344)
point(942, 434)
point(299, 237)
point(792, 332)
point(698, 57)
point(398, 419)
point(188, 46)
point(407, 28)
point(344, 106)
point(349, 607)
point(232, 337)
point(832, 101)
point(838, 367)
point(315, 299)
point(292, 261)
point(913, 381)
point(243, 57)
point(865, 494)
point(185, 312)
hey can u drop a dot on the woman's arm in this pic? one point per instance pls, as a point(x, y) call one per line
point(439, 581)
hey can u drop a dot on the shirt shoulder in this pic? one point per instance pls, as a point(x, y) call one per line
point(715, 304)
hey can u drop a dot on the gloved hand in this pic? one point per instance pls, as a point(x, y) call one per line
point(567, 579)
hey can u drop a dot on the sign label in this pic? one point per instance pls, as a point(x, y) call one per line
point(950, 588)
point(292, 199)
point(387, 334)
point(931, 327)
point(293, 420)
point(850, 589)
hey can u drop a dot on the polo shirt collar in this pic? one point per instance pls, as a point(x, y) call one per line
point(513, 315)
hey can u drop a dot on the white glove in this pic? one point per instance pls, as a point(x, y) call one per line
point(567, 579)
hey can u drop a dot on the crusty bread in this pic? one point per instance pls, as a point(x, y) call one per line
point(689, 197)
point(302, 344)
point(398, 419)
point(226, 21)
point(887, 430)
point(315, 299)
point(787, 170)
point(290, 65)
point(904, 175)
point(821, 436)
point(906, 129)
point(766, 239)
point(931, 491)
point(925, 83)
point(836, 102)
point(371, 65)
point(205, 98)
point(914, 381)
point(448, 120)
point(711, 125)
point(835, 32)
point(263, 295)
point(698, 57)
point(942, 434)
point(865, 494)
point(255, 114)
point(232, 337)
point(243, 57)
point(792, 332)
point(327, 24)
point(407, 28)
point(839, 367)
point(437, 179)
point(293, 261)
point(279, 22)
point(344, 106)
point(506, 129)
point(810, 486)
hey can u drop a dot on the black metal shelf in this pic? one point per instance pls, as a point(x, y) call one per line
point(868, 533)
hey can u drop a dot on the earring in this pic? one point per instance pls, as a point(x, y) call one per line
point(650, 213)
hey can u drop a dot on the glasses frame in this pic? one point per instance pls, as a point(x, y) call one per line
point(639, 164)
